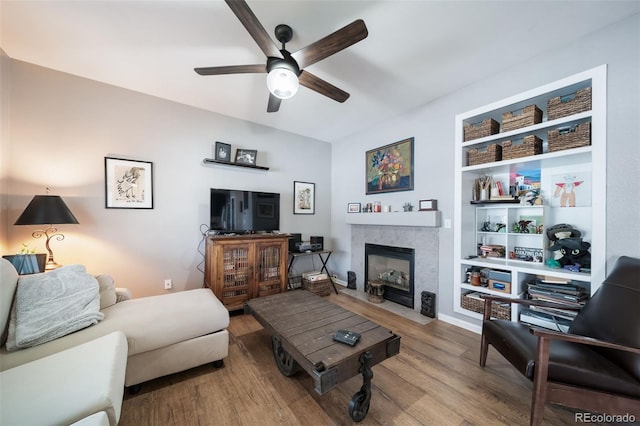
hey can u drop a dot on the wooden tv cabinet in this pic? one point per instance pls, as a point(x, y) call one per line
point(240, 267)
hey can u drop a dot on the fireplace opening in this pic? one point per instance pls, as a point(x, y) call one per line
point(394, 266)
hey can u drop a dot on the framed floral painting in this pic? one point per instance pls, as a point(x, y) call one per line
point(390, 167)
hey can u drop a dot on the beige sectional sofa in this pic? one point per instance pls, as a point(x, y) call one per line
point(164, 334)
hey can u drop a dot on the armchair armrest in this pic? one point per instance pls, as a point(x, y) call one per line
point(122, 294)
point(576, 338)
point(488, 299)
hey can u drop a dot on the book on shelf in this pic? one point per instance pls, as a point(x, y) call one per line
point(542, 319)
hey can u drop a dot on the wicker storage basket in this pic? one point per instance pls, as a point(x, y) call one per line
point(562, 106)
point(319, 287)
point(491, 154)
point(487, 127)
point(567, 138)
point(532, 145)
point(527, 116)
point(498, 310)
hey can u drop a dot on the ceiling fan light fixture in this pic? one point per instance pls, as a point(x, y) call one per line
point(282, 82)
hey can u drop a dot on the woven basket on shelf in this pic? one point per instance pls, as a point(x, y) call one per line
point(487, 127)
point(531, 145)
point(567, 138)
point(528, 116)
point(573, 103)
point(319, 287)
point(498, 310)
point(491, 154)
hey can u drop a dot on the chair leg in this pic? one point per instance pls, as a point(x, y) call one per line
point(539, 391)
point(484, 349)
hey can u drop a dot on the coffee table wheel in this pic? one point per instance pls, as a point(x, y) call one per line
point(285, 362)
point(359, 406)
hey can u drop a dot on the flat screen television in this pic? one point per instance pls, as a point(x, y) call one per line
point(240, 212)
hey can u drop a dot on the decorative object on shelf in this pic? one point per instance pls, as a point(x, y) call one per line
point(486, 127)
point(528, 254)
point(47, 210)
point(246, 156)
point(568, 137)
point(426, 205)
point(390, 167)
point(128, 184)
point(353, 207)
point(28, 263)
point(572, 190)
point(573, 252)
point(223, 151)
point(304, 198)
point(407, 207)
point(491, 154)
point(377, 207)
point(529, 145)
point(573, 103)
point(492, 250)
point(484, 186)
point(527, 116)
point(368, 208)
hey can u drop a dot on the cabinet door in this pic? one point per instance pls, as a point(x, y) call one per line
point(235, 273)
point(271, 267)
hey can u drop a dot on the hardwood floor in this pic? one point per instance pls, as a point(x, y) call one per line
point(435, 380)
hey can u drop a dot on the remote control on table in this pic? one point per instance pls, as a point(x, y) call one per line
point(346, 336)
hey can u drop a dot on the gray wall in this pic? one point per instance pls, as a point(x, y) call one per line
point(62, 127)
point(433, 128)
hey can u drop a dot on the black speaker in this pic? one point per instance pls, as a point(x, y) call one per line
point(351, 280)
point(295, 238)
point(318, 240)
point(428, 307)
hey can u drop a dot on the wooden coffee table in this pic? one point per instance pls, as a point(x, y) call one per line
point(302, 326)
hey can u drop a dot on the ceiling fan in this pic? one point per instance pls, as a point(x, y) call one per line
point(285, 70)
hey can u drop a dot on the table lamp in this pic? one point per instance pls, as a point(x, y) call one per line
point(47, 210)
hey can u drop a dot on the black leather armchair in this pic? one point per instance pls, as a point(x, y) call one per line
point(594, 367)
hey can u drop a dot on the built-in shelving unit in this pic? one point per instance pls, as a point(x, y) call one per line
point(228, 163)
point(475, 221)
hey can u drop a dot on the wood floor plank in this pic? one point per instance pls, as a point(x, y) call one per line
point(434, 380)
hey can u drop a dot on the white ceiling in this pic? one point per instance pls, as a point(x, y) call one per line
point(416, 51)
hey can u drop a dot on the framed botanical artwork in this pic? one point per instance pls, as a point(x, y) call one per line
point(128, 184)
point(246, 156)
point(389, 168)
point(427, 205)
point(304, 198)
point(353, 207)
point(223, 151)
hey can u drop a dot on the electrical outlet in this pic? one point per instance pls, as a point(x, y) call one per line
point(168, 284)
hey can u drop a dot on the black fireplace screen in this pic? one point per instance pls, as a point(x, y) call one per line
point(394, 266)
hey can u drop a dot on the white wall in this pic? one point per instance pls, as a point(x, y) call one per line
point(433, 128)
point(62, 127)
point(4, 147)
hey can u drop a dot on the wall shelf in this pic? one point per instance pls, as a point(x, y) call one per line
point(232, 164)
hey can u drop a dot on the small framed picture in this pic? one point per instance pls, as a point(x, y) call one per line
point(246, 156)
point(353, 207)
point(304, 198)
point(427, 205)
point(128, 184)
point(223, 151)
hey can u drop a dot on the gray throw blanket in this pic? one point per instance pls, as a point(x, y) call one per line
point(52, 305)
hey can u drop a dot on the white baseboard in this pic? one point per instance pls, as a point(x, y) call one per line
point(460, 323)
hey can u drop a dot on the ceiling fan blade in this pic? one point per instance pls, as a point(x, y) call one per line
point(232, 69)
point(333, 43)
point(274, 103)
point(317, 84)
point(242, 11)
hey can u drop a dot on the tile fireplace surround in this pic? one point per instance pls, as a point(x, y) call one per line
point(423, 239)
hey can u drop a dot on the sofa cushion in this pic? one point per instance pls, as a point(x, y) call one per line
point(107, 290)
point(67, 386)
point(9, 280)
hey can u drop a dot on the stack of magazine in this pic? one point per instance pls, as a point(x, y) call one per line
point(555, 291)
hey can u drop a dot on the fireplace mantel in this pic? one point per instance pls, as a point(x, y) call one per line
point(430, 218)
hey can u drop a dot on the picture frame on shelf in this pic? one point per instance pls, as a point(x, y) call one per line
point(128, 184)
point(223, 152)
point(246, 156)
point(354, 207)
point(389, 168)
point(304, 194)
point(427, 205)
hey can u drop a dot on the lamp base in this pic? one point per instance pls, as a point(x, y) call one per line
point(51, 265)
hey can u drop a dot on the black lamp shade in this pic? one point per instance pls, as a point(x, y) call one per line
point(46, 210)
